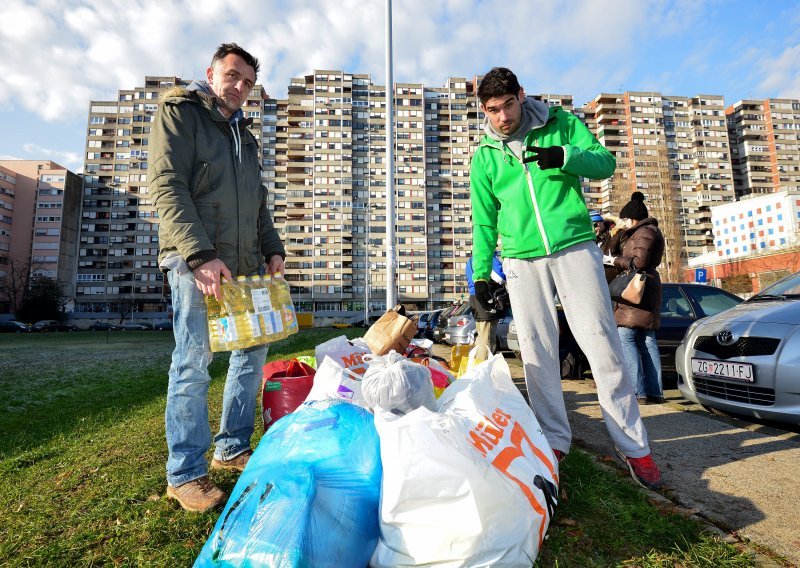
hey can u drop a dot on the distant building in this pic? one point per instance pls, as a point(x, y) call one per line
point(757, 237)
point(39, 222)
point(324, 164)
point(765, 138)
point(673, 149)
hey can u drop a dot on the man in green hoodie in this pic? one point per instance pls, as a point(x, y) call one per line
point(525, 188)
point(205, 180)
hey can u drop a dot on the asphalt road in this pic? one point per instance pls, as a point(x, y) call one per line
point(739, 476)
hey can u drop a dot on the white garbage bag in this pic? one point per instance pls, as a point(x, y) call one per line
point(474, 484)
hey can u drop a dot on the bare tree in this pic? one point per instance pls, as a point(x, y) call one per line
point(15, 281)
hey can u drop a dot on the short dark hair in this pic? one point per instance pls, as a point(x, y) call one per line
point(226, 49)
point(498, 82)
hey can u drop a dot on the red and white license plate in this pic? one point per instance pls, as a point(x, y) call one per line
point(723, 370)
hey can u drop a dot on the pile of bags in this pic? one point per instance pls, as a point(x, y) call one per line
point(389, 461)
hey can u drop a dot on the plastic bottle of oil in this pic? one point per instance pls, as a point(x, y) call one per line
point(274, 314)
point(252, 332)
point(284, 302)
point(214, 314)
point(224, 323)
point(263, 307)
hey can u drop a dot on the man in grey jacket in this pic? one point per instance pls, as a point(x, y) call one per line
point(205, 180)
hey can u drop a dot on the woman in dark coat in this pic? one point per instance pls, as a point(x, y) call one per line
point(640, 246)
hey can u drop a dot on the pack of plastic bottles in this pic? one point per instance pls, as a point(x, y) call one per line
point(254, 310)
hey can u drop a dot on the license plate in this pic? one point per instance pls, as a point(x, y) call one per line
point(723, 370)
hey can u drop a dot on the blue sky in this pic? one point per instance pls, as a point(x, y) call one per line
point(56, 56)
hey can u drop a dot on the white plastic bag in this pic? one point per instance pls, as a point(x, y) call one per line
point(334, 381)
point(348, 354)
point(472, 485)
point(396, 384)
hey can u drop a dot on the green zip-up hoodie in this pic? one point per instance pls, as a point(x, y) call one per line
point(205, 180)
point(536, 212)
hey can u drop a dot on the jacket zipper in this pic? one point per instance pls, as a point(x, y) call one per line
point(539, 223)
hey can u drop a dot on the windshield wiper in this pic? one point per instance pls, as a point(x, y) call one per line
point(768, 297)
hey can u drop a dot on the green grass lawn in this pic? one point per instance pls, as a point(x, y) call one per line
point(83, 454)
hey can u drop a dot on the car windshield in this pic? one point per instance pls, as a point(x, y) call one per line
point(789, 287)
point(713, 300)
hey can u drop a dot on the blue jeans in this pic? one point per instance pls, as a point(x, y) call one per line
point(641, 355)
point(186, 417)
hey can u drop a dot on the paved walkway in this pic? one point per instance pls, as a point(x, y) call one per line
point(743, 480)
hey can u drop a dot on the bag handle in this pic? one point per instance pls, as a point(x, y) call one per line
point(296, 368)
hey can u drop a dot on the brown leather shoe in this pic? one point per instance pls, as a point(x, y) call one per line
point(198, 495)
point(237, 463)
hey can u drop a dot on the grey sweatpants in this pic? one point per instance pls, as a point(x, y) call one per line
point(576, 276)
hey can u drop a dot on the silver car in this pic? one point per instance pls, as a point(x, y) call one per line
point(746, 360)
point(460, 326)
point(461, 329)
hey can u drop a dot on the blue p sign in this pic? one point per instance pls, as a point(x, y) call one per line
point(700, 275)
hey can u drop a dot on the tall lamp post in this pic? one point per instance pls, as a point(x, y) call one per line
point(367, 267)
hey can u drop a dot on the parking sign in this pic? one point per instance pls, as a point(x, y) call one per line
point(700, 275)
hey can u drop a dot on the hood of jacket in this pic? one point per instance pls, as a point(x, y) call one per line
point(204, 94)
point(535, 114)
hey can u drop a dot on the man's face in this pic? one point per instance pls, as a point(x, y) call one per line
point(505, 113)
point(599, 227)
point(231, 80)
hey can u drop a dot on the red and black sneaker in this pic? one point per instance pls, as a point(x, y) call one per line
point(559, 455)
point(644, 471)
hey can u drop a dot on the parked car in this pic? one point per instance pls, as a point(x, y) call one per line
point(135, 326)
point(460, 327)
point(422, 321)
point(745, 359)
point(53, 325)
point(466, 330)
point(681, 305)
point(427, 332)
point(163, 325)
point(441, 322)
point(103, 326)
point(12, 326)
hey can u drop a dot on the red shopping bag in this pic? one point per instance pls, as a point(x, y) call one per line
point(286, 385)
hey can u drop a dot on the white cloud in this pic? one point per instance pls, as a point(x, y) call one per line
point(56, 56)
point(71, 160)
point(782, 75)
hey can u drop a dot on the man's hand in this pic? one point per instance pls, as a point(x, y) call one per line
point(276, 265)
point(547, 158)
point(483, 296)
point(207, 277)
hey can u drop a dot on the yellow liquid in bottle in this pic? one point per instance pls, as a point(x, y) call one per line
point(214, 313)
point(286, 307)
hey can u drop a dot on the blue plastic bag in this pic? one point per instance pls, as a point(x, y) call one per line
point(308, 497)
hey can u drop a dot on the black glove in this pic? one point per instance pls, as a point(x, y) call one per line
point(547, 158)
point(483, 296)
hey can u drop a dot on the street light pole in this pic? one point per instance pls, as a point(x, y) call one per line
point(390, 220)
point(367, 209)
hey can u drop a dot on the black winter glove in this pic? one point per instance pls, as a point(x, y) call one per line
point(547, 158)
point(483, 296)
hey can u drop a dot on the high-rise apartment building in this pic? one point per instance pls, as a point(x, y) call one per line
point(674, 150)
point(331, 167)
point(765, 139)
point(39, 218)
point(324, 163)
